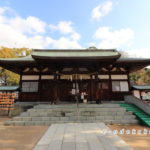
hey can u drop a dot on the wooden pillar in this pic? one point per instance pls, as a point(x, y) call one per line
point(128, 76)
point(20, 86)
point(56, 95)
point(110, 84)
point(140, 94)
point(91, 88)
point(40, 85)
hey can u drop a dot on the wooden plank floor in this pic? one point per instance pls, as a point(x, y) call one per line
point(80, 136)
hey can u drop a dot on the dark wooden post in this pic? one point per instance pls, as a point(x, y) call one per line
point(91, 88)
point(40, 84)
point(20, 86)
point(110, 84)
point(140, 94)
point(128, 76)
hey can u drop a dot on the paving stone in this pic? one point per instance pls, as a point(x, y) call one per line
point(99, 117)
point(39, 123)
point(33, 114)
point(29, 123)
point(134, 121)
point(26, 118)
point(109, 117)
point(108, 121)
point(112, 113)
point(129, 117)
point(9, 122)
point(91, 118)
point(17, 118)
point(47, 123)
point(120, 113)
point(41, 147)
point(118, 117)
point(64, 118)
point(42, 114)
point(46, 118)
point(19, 123)
point(36, 118)
point(125, 121)
point(24, 114)
point(68, 114)
point(55, 118)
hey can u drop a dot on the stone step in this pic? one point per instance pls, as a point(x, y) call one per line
point(48, 114)
point(80, 106)
point(73, 118)
point(81, 109)
point(64, 114)
point(84, 113)
point(47, 123)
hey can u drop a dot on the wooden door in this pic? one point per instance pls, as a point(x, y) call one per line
point(65, 87)
point(47, 90)
point(103, 85)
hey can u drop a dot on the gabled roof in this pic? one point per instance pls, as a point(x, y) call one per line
point(75, 54)
point(52, 56)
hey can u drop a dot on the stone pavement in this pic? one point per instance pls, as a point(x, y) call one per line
point(80, 136)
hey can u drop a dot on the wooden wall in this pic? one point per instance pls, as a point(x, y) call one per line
point(50, 82)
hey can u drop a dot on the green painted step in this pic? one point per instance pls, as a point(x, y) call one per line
point(141, 115)
point(146, 119)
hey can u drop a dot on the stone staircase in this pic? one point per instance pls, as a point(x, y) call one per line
point(69, 113)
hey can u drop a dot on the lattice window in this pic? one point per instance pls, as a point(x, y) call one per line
point(29, 86)
point(121, 86)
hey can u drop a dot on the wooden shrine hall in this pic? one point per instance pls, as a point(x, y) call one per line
point(61, 74)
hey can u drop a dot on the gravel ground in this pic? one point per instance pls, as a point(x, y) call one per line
point(136, 141)
point(19, 137)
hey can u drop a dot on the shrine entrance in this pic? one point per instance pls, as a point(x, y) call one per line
point(65, 90)
point(103, 87)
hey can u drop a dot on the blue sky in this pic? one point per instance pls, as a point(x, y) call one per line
point(121, 24)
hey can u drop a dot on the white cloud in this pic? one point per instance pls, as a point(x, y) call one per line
point(29, 25)
point(64, 27)
point(65, 43)
point(102, 10)
point(4, 9)
point(113, 39)
point(75, 36)
point(32, 32)
point(142, 52)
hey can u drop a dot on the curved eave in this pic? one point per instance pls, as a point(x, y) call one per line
point(133, 63)
point(15, 64)
point(58, 59)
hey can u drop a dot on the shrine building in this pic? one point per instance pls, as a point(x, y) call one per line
point(62, 74)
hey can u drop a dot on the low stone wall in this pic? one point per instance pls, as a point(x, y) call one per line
point(138, 102)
